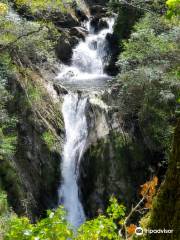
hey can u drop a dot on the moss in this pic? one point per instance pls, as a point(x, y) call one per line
point(49, 139)
point(41, 5)
point(166, 206)
point(10, 182)
point(111, 167)
point(124, 23)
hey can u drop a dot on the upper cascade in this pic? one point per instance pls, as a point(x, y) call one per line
point(88, 60)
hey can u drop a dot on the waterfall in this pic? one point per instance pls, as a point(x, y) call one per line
point(88, 60)
point(86, 70)
point(76, 134)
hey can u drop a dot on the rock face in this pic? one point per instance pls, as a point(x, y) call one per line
point(98, 10)
point(64, 20)
point(67, 41)
point(60, 90)
point(80, 14)
point(122, 30)
point(115, 162)
point(98, 24)
point(64, 49)
point(59, 18)
point(97, 2)
point(78, 32)
point(110, 167)
point(38, 156)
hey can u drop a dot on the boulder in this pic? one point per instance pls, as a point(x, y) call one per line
point(78, 32)
point(111, 68)
point(80, 14)
point(64, 50)
point(73, 41)
point(67, 41)
point(65, 20)
point(102, 24)
point(98, 23)
point(60, 89)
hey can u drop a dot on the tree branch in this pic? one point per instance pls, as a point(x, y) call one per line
point(134, 209)
point(10, 44)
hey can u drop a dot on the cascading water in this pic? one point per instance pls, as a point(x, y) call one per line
point(76, 134)
point(86, 70)
point(89, 57)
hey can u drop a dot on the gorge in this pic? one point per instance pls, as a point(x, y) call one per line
point(89, 107)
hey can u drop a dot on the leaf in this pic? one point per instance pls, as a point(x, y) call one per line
point(3, 9)
point(148, 191)
point(131, 229)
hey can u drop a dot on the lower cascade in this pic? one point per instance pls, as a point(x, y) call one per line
point(85, 73)
point(76, 135)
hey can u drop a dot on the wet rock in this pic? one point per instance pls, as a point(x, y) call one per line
point(98, 24)
point(67, 41)
point(66, 21)
point(60, 89)
point(80, 14)
point(102, 24)
point(93, 45)
point(64, 49)
point(73, 41)
point(111, 68)
point(78, 32)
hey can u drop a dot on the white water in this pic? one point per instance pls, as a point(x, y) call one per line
point(86, 69)
point(88, 59)
point(76, 134)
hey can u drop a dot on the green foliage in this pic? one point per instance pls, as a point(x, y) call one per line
point(153, 41)
point(7, 123)
point(115, 210)
point(150, 83)
point(35, 40)
point(157, 6)
point(173, 7)
point(55, 226)
point(40, 5)
point(3, 9)
point(8, 136)
point(49, 139)
point(99, 228)
point(19, 228)
point(5, 214)
point(103, 227)
point(3, 203)
point(7, 144)
point(34, 94)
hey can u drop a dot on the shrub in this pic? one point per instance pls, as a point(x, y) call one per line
point(55, 226)
point(49, 139)
point(150, 83)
